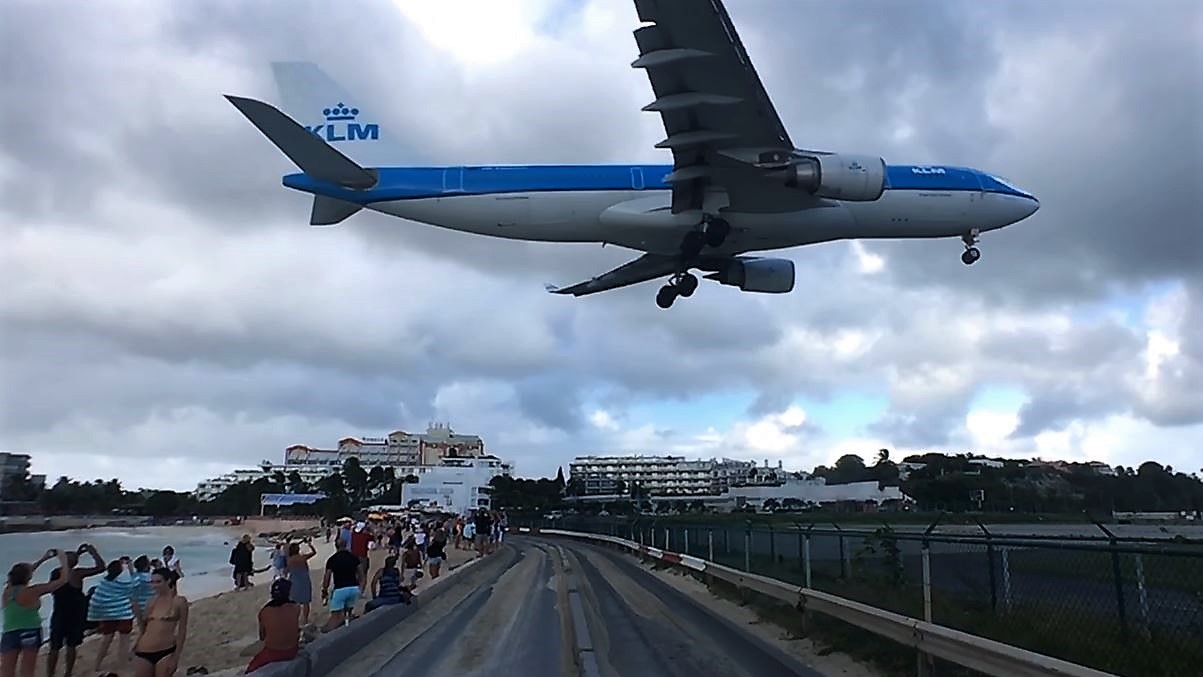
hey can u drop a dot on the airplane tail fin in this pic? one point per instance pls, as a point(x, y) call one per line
point(314, 156)
point(343, 119)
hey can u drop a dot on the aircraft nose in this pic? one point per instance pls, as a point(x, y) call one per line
point(1031, 206)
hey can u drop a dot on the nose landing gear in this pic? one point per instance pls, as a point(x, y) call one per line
point(681, 284)
point(972, 254)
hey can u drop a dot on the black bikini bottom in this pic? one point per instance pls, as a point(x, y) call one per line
point(153, 657)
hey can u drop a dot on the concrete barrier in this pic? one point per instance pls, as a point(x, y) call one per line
point(321, 656)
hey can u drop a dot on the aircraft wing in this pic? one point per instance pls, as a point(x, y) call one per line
point(642, 269)
point(719, 120)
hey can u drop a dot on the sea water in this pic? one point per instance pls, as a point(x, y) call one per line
point(204, 552)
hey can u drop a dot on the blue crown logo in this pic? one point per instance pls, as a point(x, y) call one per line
point(340, 112)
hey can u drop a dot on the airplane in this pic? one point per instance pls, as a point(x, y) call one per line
point(737, 183)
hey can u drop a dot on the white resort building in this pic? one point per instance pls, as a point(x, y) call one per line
point(453, 470)
point(724, 484)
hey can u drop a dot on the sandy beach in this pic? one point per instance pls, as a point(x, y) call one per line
point(223, 630)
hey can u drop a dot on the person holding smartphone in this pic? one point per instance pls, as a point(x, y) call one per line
point(69, 618)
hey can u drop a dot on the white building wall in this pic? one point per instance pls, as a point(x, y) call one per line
point(817, 491)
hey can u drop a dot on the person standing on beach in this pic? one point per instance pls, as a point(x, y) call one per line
point(298, 573)
point(70, 612)
point(436, 552)
point(165, 628)
point(172, 563)
point(113, 610)
point(22, 603)
point(279, 627)
point(360, 538)
point(141, 589)
point(280, 560)
point(344, 571)
point(411, 565)
point(242, 557)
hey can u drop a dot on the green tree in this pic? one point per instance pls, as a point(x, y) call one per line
point(356, 481)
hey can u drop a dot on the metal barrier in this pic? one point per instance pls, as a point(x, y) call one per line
point(971, 651)
point(1125, 604)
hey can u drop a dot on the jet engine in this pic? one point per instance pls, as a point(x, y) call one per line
point(767, 276)
point(856, 178)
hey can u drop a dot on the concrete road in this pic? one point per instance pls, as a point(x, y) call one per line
point(556, 607)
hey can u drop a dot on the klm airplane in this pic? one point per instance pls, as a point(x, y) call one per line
point(737, 184)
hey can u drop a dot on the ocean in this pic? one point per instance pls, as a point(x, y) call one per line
point(204, 552)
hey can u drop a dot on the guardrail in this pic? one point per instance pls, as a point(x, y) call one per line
point(971, 651)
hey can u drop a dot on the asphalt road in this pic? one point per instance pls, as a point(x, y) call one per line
point(557, 607)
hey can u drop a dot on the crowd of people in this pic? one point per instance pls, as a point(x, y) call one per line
point(139, 591)
point(414, 547)
point(135, 600)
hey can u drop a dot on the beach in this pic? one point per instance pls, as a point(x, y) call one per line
point(223, 629)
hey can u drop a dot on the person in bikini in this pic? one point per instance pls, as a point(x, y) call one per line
point(157, 651)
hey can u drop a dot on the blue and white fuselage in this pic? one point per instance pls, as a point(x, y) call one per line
point(628, 205)
point(737, 182)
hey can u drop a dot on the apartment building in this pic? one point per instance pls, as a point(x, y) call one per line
point(407, 453)
point(397, 448)
point(657, 475)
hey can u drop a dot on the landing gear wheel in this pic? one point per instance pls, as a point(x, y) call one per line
point(666, 296)
point(717, 231)
point(692, 245)
point(686, 285)
point(970, 256)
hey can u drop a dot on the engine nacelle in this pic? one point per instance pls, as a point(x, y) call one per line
point(856, 178)
point(767, 276)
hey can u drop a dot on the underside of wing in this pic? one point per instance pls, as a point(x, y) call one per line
point(718, 119)
point(642, 269)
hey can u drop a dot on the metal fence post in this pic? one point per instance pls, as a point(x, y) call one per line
point(1142, 596)
point(1006, 578)
point(806, 555)
point(926, 581)
point(666, 531)
point(748, 546)
point(990, 564)
point(772, 544)
point(1118, 574)
point(685, 546)
point(843, 553)
point(710, 544)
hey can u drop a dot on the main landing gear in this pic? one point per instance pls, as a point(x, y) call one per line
point(681, 284)
point(972, 254)
point(712, 232)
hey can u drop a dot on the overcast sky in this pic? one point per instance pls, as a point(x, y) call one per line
point(167, 314)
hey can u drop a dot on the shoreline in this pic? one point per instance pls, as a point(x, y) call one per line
point(25, 524)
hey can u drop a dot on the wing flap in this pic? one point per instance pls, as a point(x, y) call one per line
point(642, 269)
point(710, 100)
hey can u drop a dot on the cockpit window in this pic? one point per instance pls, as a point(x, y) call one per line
point(1005, 183)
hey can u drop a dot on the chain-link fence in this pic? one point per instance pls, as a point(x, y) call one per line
point(1127, 606)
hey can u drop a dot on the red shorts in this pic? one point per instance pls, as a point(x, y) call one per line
point(268, 656)
point(124, 627)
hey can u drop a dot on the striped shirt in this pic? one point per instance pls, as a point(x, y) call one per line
point(111, 600)
point(140, 589)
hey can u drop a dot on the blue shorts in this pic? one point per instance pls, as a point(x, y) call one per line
point(343, 598)
point(20, 640)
